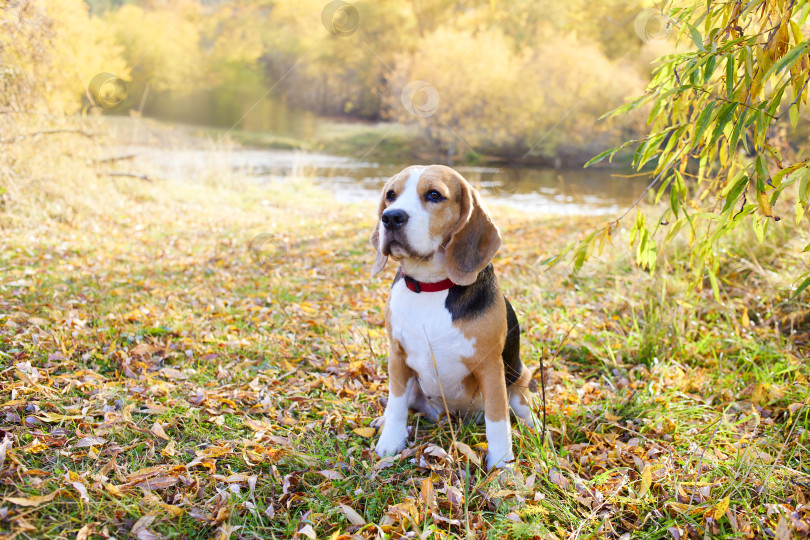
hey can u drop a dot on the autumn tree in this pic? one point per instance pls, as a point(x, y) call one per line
point(50, 52)
point(716, 147)
point(477, 93)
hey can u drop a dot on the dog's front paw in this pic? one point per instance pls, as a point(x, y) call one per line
point(378, 422)
point(391, 442)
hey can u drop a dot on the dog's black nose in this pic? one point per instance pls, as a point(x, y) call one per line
point(394, 219)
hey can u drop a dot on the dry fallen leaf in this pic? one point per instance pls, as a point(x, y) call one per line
point(235, 478)
point(89, 441)
point(169, 450)
point(173, 510)
point(173, 373)
point(32, 501)
point(78, 486)
point(512, 516)
point(157, 429)
point(332, 475)
point(365, 432)
point(86, 531)
point(782, 529)
point(384, 463)
point(721, 507)
point(646, 481)
point(353, 517)
point(307, 531)
point(467, 452)
point(158, 482)
point(142, 524)
point(558, 479)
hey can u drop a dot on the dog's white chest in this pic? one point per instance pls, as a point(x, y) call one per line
point(435, 348)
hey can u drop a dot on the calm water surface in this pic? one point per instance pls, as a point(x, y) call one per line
point(544, 191)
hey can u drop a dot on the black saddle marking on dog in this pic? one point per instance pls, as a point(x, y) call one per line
point(471, 301)
point(512, 365)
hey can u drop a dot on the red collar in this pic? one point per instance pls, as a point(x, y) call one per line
point(419, 286)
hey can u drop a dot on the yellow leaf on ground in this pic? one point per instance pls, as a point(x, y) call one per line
point(142, 524)
point(307, 531)
point(365, 432)
point(612, 417)
point(721, 507)
point(114, 490)
point(32, 501)
point(169, 450)
point(173, 510)
point(157, 429)
point(646, 480)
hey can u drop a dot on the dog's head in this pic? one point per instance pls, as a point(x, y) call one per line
point(429, 212)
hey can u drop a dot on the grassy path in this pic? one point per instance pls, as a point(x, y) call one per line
point(203, 360)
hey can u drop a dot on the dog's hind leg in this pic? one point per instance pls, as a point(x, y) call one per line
point(520, 400)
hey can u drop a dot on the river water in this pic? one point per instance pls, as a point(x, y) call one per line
point(537, 190)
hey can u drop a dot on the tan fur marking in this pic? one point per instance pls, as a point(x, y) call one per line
point(474, 240)
point(443, 215)
point(470, 384)
point(398, 371)
point(493, 391)
point(489, 330)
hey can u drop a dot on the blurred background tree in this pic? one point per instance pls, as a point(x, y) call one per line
point(49, 53)
point(516, 79)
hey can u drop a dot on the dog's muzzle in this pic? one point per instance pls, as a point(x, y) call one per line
point(394, 219)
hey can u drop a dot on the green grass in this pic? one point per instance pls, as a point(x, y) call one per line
point(155, 312)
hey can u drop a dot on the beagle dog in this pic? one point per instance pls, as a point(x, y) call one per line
point(454, 338)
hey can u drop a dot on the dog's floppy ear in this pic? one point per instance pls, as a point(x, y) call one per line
point(381, 260)
point(474, 240)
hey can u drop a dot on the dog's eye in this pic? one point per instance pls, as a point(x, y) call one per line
point(434, 196)
point(390, 195)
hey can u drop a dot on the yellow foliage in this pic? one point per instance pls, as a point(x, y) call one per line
point(162, 46)
point(82, 47)
point(491, 97)
point(50, 51)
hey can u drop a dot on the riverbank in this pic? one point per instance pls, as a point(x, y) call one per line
point(395, 142)
point(205, 357)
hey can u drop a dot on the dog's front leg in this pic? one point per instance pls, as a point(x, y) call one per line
point(401, 379)
point(496, 414)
